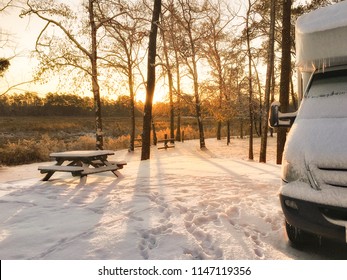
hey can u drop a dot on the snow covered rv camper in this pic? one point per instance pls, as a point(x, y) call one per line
point(314, 167)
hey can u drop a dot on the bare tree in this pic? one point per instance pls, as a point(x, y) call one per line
point(285, 74)
point(168, 69)
point(218, 52)
point(191, 17)
point(123, 50)
point(93, 56)
point(173, 38)
point(250, 78)
point(152, 51)
point(74, 47)
point(269, 75)
point(234, 104)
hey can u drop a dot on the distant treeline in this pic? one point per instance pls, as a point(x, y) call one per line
point(54, 104)
point(67, 104)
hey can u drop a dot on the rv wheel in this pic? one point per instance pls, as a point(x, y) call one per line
point(296, 236)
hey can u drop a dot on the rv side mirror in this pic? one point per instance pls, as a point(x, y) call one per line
point(278, 119)
point(273, 115)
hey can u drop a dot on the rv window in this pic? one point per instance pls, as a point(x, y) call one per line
point(327, 84)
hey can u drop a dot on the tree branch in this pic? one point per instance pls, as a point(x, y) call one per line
point(58, 24)
point(15, 86)
point(7, 5)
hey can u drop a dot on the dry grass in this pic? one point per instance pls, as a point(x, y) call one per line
point(29, 139)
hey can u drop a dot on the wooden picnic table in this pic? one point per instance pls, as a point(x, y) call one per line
point(81, 163)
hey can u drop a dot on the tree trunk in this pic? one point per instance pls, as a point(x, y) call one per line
point(219, 129)
point(178, 92)
point(198, 116)
point(221, 94)
point(178, 124)
point(285, 75)
point(272, 93)
point(132, 111)
point(95, 83)
point(196, 94)
point(292, 93)
point(172, 111)
point(170, 79)
point(269, 74)
point(152, 51)
point(228, 132)
point(155, 139)
point(250, 85)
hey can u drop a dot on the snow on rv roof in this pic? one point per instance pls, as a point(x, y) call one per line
point(321, 39)
point(325, 18)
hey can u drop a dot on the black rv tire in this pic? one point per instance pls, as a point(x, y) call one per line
point(296, 236)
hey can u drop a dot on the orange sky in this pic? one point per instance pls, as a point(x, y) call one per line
point(23, 33)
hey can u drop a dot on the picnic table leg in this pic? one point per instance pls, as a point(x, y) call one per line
point(115, 173)
point(166, 141)
point(50, 173)
point(107, 163)
point(83, 179)
point(75, 163)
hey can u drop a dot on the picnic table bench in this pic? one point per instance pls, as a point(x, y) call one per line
point(166, 142)
point(81, 163)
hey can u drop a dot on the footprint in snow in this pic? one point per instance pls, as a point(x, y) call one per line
point(253, 237)
point(149, 239)
point(208, 249)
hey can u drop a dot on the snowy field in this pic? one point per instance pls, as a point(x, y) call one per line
point(184, 203)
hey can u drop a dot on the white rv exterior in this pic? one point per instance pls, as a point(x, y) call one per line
point(314, 167)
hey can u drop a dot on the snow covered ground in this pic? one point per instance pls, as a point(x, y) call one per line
point(184, 203)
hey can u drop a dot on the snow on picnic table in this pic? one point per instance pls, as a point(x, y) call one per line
point(183, 203)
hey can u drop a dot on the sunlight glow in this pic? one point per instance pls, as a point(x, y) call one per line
point(160, 95)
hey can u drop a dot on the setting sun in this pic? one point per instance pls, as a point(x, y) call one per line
point(160, 95)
